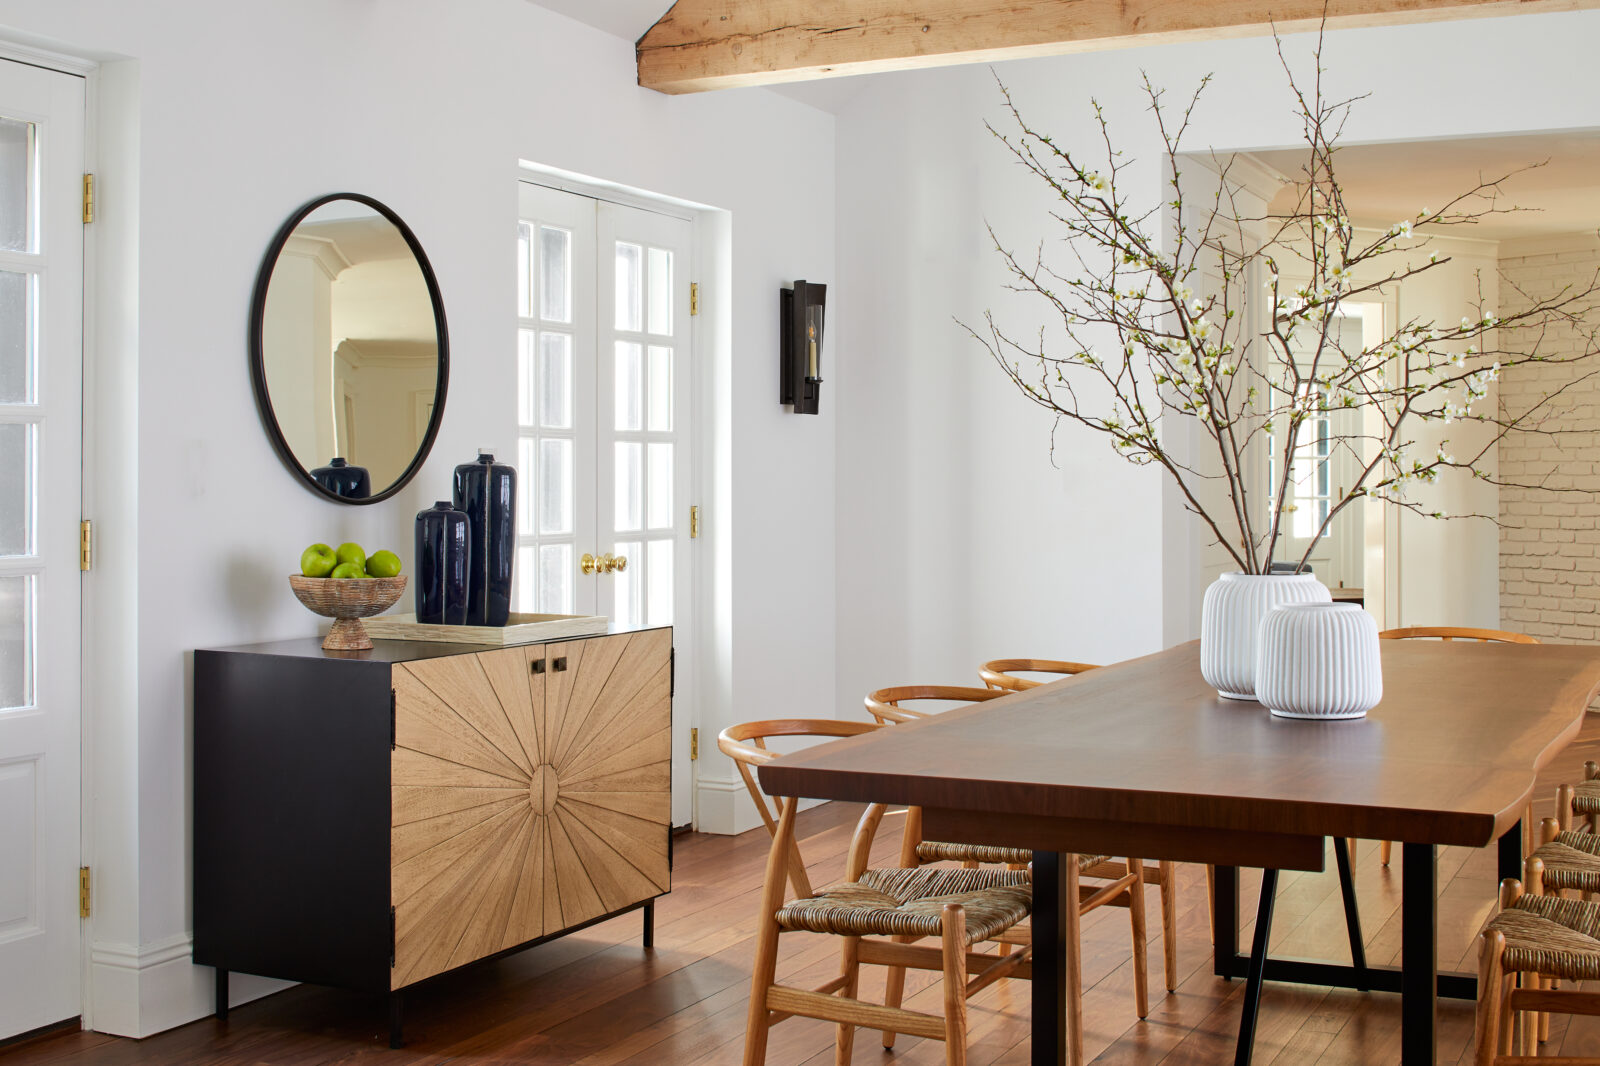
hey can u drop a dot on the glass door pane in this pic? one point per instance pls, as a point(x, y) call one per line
point(555, 401)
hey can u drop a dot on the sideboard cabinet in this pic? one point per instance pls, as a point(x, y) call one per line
point(372, 819)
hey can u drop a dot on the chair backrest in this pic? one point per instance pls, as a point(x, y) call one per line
point(1497, 636)
point(746, 745)
point(1001, 673)
point(888, 704)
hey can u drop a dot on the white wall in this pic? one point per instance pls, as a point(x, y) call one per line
point(223, 120)
point(957, 538)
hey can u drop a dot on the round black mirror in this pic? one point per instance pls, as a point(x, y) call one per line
point(349, 354)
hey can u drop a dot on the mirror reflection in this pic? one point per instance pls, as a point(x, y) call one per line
point(350, 350)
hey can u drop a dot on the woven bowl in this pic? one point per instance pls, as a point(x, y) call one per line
point(347, 601)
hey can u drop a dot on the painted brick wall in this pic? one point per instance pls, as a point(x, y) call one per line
point(1550, 541)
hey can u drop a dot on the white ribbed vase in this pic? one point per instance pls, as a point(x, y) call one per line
point(1234, 606)
point(1319, 660)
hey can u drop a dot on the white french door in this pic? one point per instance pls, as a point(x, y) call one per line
point(604, 451)
point(41, 474)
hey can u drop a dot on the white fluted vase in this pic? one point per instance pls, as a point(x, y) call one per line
point(1234, 606)
point(1319, 660)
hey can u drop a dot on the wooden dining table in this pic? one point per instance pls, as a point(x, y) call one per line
point(1143, 758)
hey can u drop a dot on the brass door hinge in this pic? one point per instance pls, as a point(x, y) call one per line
point(694, 744)
point(694, 297)
point(694, 521)
point(88, 198)
point(85, 544)
point(83, 892)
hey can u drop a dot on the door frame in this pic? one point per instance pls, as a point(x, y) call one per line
point(89, 70)
point(701, 673)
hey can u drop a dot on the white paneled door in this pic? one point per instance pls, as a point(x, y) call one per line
point(603, 461)
point(41, 473)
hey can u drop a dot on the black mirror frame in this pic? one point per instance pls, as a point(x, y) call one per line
point(258, 368)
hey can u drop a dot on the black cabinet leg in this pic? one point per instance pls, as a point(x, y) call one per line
point(1049, 985)
point(1352, 914)
point(1419, 954)
point(650, 925)
point(1258, 966)
point(222, 994)
point(396, 1037)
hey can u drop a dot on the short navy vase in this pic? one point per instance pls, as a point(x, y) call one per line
point(487, 492)
point(443, 556)
point(342, 479)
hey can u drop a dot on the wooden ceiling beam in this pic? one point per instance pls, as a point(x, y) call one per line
point(722, 44)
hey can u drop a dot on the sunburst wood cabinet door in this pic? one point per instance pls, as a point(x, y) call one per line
point(370, 819)
point(531, 794)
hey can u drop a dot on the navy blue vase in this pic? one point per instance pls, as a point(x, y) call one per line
point(342, 479)
point(443, 556)
point(487, 492)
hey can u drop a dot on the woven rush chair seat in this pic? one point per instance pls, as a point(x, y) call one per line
point(1586, 798)
point(911, 902)
point(1571, 862)
point(1551, 936)
point(940, 851)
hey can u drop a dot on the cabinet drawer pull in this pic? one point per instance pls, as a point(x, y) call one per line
point(558, 665)
point(537, 666)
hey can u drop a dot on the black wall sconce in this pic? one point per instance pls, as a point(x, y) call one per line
point(800, 372)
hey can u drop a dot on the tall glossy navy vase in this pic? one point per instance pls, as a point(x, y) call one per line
point(343, 479)
point(487, 492)
point(444, 553)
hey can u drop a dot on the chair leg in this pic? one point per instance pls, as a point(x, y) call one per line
point(1383, 851)
point(1074, 937)
point(1490, 947)
point(850, 969)
point(1532, 1021)
point(955, 984)
point(765, 968)
point(1136, 919)
point(1508, 1027)
point(894, 989)
point(1211, 903)
point(1169, 923)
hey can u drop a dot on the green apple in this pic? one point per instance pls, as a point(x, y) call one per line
point(347, 570)
point(318, 560)
point(350, 552)
point(383, 564)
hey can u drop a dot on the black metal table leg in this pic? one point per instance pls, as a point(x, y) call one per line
point(1419, 962)
point(396, 1037)
point(1049, 960)
point(1352, 913)
point(1511, 851)
point(1258, 965)
point(1225, 920)
point(650, 925)
point(222, 994)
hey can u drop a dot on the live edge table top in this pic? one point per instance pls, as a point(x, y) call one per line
point(1144, 753)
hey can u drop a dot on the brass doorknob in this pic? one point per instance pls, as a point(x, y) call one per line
point(602, 564)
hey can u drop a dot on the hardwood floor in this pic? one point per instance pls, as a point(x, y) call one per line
point(597, 999)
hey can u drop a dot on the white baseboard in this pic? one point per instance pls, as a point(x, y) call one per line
point(140, 991)
point(723, 806)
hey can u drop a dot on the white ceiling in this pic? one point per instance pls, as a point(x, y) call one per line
point(627, 19)
point(1385, 183)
